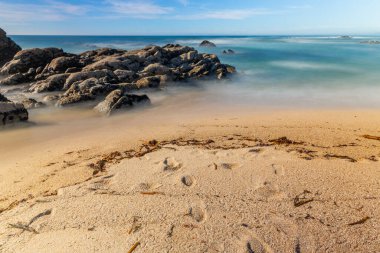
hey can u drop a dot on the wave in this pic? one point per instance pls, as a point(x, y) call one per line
point(302, 65)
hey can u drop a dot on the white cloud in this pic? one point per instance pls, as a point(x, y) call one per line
point(184, 2)
point(48, 11)
point(142, 9)
point(234, 14)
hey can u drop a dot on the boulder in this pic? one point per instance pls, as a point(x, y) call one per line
point(61, 64)
point(31, 103)
point(207, 43)
point(14, 79)
point(52, 83)
point(11, 112)
point(117, 100)
point(125, 75)
point(148, 82)
point(31, 58)
point(3, 98)
point(156, 69)
point(228, 51)
point(73, 98)
point(8, 48)
point(108, 75)
point(110, 63)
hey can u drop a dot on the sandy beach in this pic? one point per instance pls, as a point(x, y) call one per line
point(304, 180)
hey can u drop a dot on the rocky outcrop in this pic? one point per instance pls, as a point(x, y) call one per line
point(207, 43)
point(228, 51)
point(117, 100)
point(30, 103)
point(93, 75)
point(29, 60)
point(8, 48)
point(11, 112)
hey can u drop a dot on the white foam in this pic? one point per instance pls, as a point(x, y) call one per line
point(302, 65)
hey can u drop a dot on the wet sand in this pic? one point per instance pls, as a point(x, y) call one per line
point(184, 179)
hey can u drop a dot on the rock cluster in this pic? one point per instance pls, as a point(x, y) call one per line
point(228, 51)
point(11, 112)
point(207, 43)
point(8, 48)
point(95, 74)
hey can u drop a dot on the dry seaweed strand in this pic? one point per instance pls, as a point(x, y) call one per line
point(134, 247)
point(301, 199)
point(371, 137)
point(152, 193)
point(360, 221)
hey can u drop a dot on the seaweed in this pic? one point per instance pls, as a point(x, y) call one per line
point(362, 221)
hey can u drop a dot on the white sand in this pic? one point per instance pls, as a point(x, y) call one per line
point(212, 197)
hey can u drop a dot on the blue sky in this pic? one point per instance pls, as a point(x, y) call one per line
point(190, 17)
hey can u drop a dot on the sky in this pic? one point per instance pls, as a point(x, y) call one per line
point(190, 17)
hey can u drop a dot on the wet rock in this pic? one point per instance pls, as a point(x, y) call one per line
point(228, 51)
point(61, 64)
point(11, 112)
point(50, 98)
point(8, 48)
point(80, 76)
point(30, 58)
point(3, 98)
point(156, 69)
point(148, 82)
point(14, 79)
point(117, 100)
point(31, 103)
point(125, 75)
point(207, 43)
point(110, 63)
point(52, 83)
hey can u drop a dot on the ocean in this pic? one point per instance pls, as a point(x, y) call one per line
point(278, 71)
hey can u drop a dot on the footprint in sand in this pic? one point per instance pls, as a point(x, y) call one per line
point(188, 180)
point(270, 191)
point(197, 213)
point(170, 164)
point(229, 166)
point(278, 170)
point(251, 243)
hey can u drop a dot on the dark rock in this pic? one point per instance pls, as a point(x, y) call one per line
point(11, 112)
point(52, 83)
point(148, 82)
point(14, 79)
point(73, 70)
point(31, 58)
point(116, 100)
point(228, 51)
point(8, 48)
point(61, 64)
point(31, 103)
point(207, 43)
point(3, 98)
point(81, 76)
point(125, 75)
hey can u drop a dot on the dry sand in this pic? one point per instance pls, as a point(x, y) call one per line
point(209, 182)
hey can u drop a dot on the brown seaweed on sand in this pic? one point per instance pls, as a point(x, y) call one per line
point(371, 137)
point(360, 221)
point(284, 141)
point(302, 199)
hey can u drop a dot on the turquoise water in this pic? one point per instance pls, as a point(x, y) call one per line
point(273, 70)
